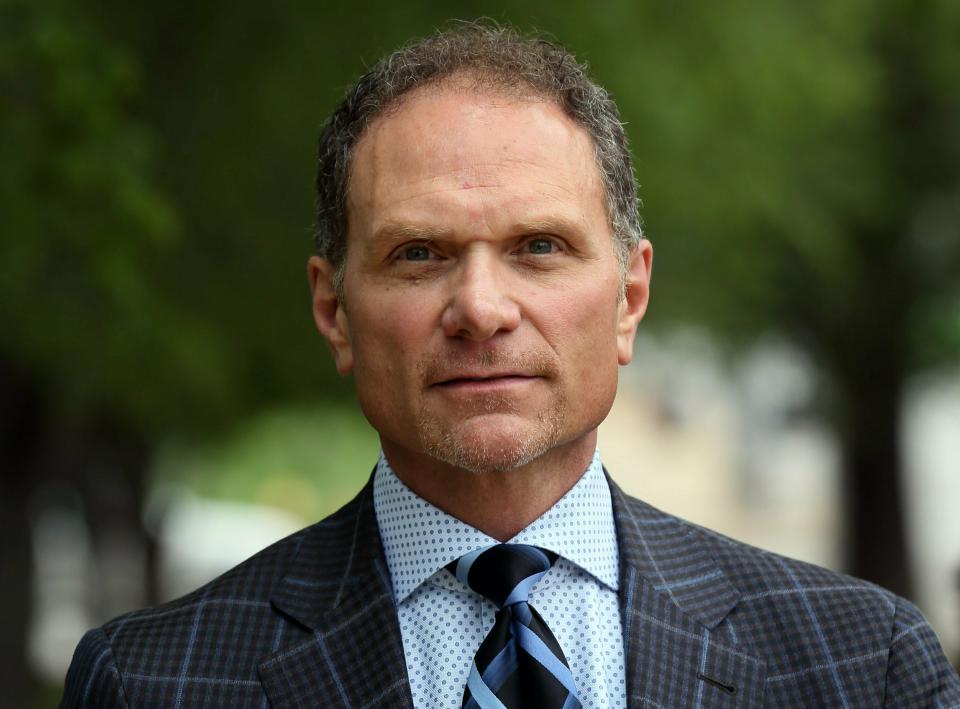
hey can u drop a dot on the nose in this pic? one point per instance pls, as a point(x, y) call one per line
point(480, 304)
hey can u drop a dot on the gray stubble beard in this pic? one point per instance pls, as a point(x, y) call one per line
point(442, 441)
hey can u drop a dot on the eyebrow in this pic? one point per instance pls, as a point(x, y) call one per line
point(396, 231)
point(548, 225)
point(399, 231)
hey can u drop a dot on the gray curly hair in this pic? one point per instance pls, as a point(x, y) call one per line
point(492, 58)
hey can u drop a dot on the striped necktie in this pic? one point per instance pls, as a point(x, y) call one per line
point(519, 663)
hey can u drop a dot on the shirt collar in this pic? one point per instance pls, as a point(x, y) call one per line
point(419, 539)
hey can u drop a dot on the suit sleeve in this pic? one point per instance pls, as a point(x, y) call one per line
point(918, 673)
point(93, 679)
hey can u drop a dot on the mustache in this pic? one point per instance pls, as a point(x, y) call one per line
point(444, 366)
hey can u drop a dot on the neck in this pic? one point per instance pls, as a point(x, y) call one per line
point(499, 503)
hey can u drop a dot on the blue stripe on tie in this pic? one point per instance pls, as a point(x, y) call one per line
point(502, 666)
point(466, 561)
point(521, 591)
point(537, 649)
point(481, 693)
point(572, 702)
point(521, 613)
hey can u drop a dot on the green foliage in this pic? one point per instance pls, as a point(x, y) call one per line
point(798, 162)
point(83, 223)
point(309, 460)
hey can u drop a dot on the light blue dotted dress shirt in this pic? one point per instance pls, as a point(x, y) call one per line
point(443, 622)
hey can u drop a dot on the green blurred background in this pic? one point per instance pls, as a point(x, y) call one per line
point(800, 172)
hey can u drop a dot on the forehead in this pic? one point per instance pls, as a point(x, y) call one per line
point(446, 138)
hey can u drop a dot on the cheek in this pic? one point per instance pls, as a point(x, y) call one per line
point(581, 325)
point(389, 340)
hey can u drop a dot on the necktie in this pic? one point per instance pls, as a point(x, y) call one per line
point(519, 663)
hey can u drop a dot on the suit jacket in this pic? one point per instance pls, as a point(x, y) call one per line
point(707, 622)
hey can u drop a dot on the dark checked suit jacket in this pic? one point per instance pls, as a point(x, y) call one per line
point(707, 622)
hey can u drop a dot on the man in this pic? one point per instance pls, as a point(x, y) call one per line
point(481, 273)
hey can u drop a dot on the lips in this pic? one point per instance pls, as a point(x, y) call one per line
point(462, 379)
point(487, 370)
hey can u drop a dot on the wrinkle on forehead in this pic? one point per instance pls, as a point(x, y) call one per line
point(403, 182)
point(479, 109)
point(470, 145)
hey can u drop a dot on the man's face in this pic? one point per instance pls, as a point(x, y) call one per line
point(482, 312)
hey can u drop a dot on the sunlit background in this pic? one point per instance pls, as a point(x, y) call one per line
point(167, 409)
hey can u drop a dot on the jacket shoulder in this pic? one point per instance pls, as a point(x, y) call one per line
point(93, 679)
point(757, 572)
point(249, 584)
point(822, 633)
point(208, 643)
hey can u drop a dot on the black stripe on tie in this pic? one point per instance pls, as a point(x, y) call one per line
point(514, 675)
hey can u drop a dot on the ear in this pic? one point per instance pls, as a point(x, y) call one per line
point(633, 306)
point(329, 314)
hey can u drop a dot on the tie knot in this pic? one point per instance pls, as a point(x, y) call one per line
point(504, 573)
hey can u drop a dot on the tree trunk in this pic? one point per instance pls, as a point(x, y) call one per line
point(20, 441)
point(106, 466)
point(870, 401)
point(16, 570)
point(859, 331)
point(113, 485)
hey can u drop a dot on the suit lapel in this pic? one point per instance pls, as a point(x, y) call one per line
point(348, 650)
point(673, 599)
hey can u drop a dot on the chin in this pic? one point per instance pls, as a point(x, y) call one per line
point(487, 449)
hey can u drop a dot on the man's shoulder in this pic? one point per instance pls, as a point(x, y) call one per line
point(807, 623)
point(755, 572)
point(249, 584)
point(812, 623)
point(220, 632)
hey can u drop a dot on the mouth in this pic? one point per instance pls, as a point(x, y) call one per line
point(483, 380)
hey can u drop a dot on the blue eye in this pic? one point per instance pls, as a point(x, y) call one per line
point(540, 246)
point(418, 252)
